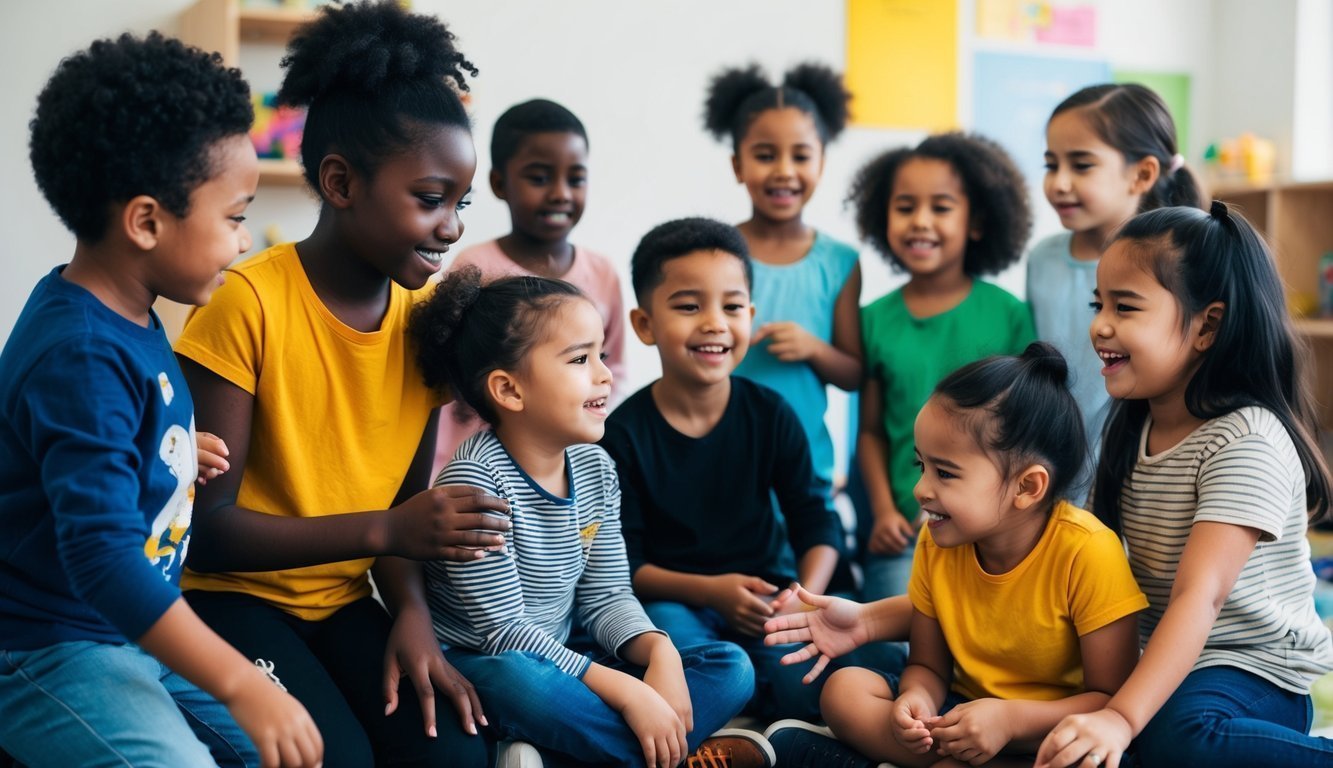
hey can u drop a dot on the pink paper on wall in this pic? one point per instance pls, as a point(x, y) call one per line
point(1070, 25)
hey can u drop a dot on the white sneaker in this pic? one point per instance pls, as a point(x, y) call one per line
point(517, 754)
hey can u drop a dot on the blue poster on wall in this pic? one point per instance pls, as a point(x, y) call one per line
point(1013, 95)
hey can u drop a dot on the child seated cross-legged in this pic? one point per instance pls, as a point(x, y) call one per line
point(526, 354)
point(140, 146)
point(1024, 605)
point(700, 454)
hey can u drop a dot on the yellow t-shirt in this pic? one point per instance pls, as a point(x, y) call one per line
point(1016, 635)
point(338, 414)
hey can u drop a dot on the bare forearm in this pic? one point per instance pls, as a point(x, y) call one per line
point(181, 641)
point(615, 688)
point(816, 568)
point(232, 538)
point(836, 367)
point(1169, 656)
point(923, 678)
point(643, 650)
point(654, 583)
point(1030, 721)
point(889, 619)
point(401, 584)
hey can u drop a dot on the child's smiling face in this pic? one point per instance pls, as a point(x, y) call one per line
point(961, 490)
point(1087, 181)
point(564, 381)
point(780, 160)
point(929, 217)
point(545, 184)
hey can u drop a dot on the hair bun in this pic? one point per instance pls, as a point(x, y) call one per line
point(1042, 357)
point(1220, 211)
point(825, 88)
point(726, 92)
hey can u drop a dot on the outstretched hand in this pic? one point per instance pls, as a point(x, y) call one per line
point(829, 626)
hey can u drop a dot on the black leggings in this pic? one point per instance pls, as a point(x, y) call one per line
point(335, 668)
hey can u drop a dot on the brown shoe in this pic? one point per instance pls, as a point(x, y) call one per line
point(732, 748)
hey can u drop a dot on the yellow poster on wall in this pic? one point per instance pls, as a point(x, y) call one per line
point(902, 63)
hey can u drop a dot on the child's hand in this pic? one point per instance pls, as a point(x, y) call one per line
point(448, 522)
point(891, 534)
point(830, 626)
point(1096, 739)
point(973, 732)
point(660, 731)
point(666, 676)
point(788, 341)
point(412, 648)
point(212, 456)
point(282, 731)
point(739, 598)
point(911, 710)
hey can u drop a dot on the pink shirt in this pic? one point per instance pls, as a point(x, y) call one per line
point(592, 273)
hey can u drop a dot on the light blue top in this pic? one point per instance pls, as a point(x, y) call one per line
point(804, 292)
point(1059, 289)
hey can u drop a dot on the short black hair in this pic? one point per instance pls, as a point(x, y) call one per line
point(522, 120)
point(1019, 411)
point(466, 330)
point(737, 96)
point(372, 75)
point(681, 237)
point(996, 194)
point(129, 117)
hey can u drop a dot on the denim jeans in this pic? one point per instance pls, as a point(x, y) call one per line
point(528, 698)
point(779, 692)
point(91, 704)
point(1224, 716)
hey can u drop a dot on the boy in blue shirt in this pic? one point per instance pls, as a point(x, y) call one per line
point(702, 454)
point(140, 147)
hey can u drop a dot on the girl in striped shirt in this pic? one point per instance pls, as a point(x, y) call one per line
point(1210, 470)
point(526, 354)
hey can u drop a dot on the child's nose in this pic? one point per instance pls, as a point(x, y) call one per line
point(245, 240)
point(921, 491)
point(560, 190)
point(450, 228)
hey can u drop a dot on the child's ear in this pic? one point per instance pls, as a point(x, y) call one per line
point(642, 323)
point(736, 167)
point(1032, 485)
point(1146, 173)
point(497, 184)
point(1210, 321)
point(142, 220)
point(505, 391)
point(336, 179)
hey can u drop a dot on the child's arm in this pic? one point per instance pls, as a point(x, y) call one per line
point(832, 626)
point(978, 730)
point(281, 729)
point(663, 672)
point(923, 686)
point(442, 522)
point(1213, 558)
point(659, 729)
point(838, 363)
point(737, 597)
point(891, 531)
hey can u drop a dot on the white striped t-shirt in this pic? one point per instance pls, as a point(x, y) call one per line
point(1240, 469)
point(560, 556)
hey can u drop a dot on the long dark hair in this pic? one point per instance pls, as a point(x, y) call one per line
point(1256, 360)
point(1020, 411)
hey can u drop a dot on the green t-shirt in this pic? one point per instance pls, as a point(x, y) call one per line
point(910, 355)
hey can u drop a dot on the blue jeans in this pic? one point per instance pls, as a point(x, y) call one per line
point(1224, 716)
point(98, 704)
point(528, 698)
point(778, 691)
point(886, 575)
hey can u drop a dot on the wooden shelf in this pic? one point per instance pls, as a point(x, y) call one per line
point(221, 25)
point(1314, 328)
point(271, 25)
point(285, 173)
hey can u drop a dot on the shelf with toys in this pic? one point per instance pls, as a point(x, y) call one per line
point(1297, 219)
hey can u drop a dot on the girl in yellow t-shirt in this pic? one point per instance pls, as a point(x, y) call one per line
point(1022, 604)
point(302, 366)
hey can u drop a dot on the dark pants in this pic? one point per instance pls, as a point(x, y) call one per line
point(335, 668)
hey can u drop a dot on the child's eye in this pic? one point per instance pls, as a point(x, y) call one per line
point(578, 181)
point(942, 209)
point(735, 307)
point(602, 356)
point(919, 466)
point(238, 219)
point(1050, 167)
point(1096, 306)
point(434, 201)
point(538, 178)
point(1125, 308)
point(944, 474)
point(580, 360)
point(686, 307)
point(465, 202)
point(903, 209)
point(1082, 166)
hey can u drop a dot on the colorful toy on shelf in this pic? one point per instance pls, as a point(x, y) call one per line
point(277, 130)
point(1248, 156)
point(1326, 285)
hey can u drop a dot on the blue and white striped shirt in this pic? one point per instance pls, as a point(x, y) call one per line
point(560, 556)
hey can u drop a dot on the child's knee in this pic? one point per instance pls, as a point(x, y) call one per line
point(847, 691)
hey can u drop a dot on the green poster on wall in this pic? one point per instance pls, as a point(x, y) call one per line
point(1174, 88)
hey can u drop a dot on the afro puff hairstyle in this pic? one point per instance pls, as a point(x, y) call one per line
point(737, 96)
point(681, 237)
point(130, 117)
point(466, 330)
point(522, 120)
point(996, 193)
point(365, 70)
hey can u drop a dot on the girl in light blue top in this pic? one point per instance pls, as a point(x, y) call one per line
point(1110, 153)
point(807, 285)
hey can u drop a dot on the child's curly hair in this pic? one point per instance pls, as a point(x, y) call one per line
point(996, 193)
point(737, 96)
point(130, 117)
point(365, 69)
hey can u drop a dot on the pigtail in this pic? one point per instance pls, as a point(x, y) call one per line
point(727, 92)
point(826, 90)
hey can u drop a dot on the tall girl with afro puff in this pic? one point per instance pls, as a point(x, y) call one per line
point(807, 285)
point(302, 366)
